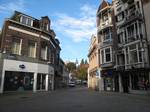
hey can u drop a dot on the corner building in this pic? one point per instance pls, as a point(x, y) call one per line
point(106, 46)
point(29, 54)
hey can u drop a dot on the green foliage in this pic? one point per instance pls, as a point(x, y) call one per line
point(82, 62)
point(71, 66)
point(85, 62)
point(82, 70)
point(82, 74)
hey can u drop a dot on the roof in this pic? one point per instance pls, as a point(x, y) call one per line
point(103, 5)
point(17, 12)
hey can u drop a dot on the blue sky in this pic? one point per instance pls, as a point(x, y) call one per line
point(74, 21)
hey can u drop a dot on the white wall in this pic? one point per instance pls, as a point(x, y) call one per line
point(13, 65)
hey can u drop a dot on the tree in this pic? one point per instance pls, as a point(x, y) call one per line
point(82, 70)
point(82, 74)
point(71, 66)
point(82, 62)
point(85, 62)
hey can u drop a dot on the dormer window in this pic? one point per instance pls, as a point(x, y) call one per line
point(26, 20)
point(46, 26)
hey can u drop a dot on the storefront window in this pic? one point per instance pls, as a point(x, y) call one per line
point(108, 84)
point(140, 81)
point(18, 81)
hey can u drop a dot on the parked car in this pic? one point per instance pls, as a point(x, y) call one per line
point(71, 84)
point(78, 82)
point(84, 82)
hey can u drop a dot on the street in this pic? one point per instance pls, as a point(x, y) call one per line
point(78, 99)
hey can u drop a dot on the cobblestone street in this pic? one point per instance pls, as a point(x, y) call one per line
point(74, 100)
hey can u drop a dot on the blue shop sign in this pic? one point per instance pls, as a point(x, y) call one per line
point(109, 73)
point(22, 66)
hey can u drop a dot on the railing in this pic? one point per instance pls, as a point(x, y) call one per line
point(104, 25)
point(134, 14)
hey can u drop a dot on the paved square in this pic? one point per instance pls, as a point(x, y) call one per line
point(74, 100)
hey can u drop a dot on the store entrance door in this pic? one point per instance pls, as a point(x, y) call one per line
point(41, 82)
point(125, 82)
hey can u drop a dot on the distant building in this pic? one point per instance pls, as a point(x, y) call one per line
point(62, 79)
point(93, 76)
point(29, 55)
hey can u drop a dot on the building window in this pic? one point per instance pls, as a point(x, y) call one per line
point(118, 3)
point(120, 16)
point(106, 55)
point(135, 54)
point(106, 36)
point(16, 46)
point(140, 53)
point(32, 49)
point(102, 56)
point(44, 53)
point(46, 26)
point(26, 20)
point(52, 58)
point(127, 55)
point(119, 9)
point(120, 38)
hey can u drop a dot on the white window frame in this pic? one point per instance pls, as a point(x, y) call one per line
point(27, 19)
point(104, 54)
point(137, 54)
point(35, 46)
point(20, 48)
point(45, 53)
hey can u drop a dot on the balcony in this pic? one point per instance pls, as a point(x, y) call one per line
point(106, 65)
point(134, 38)
point(132, 16)
point(104, 25)
point(128, 1)
point(120, 67)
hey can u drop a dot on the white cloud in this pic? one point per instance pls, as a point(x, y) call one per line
point(78, 28)
point(13, 5)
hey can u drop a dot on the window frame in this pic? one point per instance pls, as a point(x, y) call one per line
point(103, 55)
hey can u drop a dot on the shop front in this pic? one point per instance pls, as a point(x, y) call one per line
point(41, 81)
point(109, 80)
point(140, 80)
point(18, 81)
point(23, 76)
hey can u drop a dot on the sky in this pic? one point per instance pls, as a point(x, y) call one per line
point(74, 21)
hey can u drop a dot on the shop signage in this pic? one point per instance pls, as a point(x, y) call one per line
point(22, 66)
point(97, 73)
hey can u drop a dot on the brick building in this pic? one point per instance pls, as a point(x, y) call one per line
point(29, 54)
